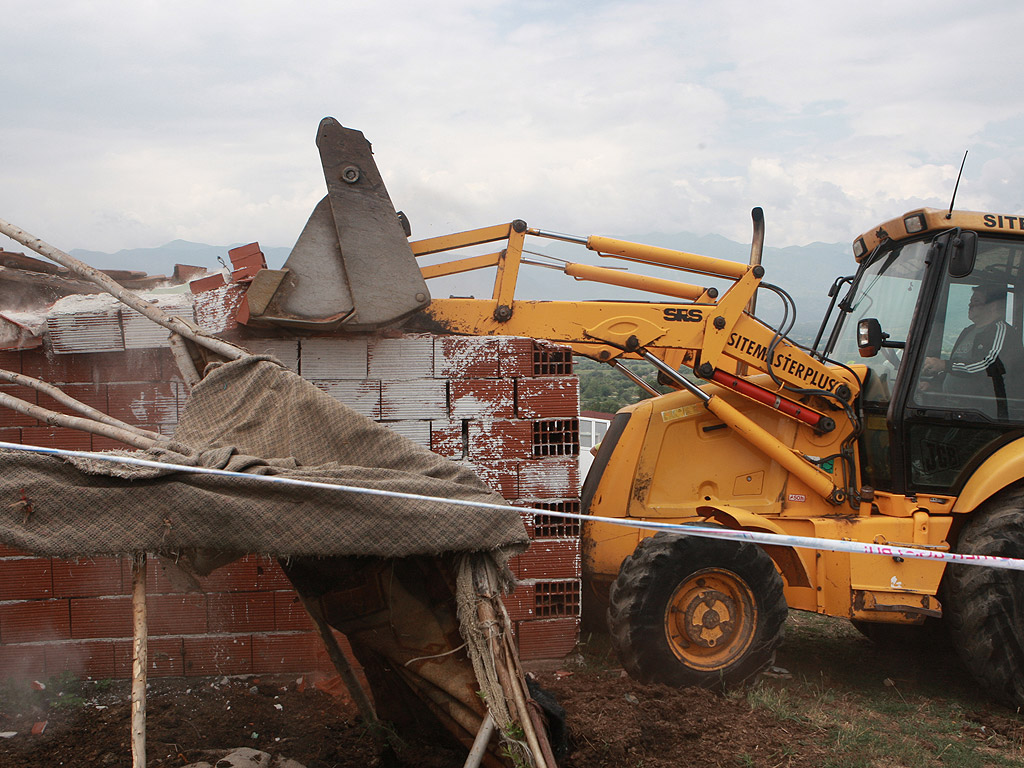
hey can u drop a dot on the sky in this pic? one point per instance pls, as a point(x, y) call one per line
point(132, 124)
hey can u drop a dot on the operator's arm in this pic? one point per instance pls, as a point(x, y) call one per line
point(993, 338)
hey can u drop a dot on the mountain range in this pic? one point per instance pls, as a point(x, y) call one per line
point(805, 272)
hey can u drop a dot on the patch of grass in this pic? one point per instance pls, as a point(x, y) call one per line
point(63, 691)
point(881, 707)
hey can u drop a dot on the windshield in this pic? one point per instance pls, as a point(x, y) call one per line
point(886, 289)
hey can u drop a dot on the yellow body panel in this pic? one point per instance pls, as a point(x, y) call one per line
point(1004, 467)
point(675, 462)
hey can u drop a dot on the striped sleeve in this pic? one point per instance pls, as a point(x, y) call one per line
point(991, 356)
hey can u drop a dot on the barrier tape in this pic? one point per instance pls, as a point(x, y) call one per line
point(756, 537)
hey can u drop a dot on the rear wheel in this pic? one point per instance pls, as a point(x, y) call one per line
point(692, 611)
point(984, 606)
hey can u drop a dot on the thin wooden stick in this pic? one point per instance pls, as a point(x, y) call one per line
point(479, 748)
point(76, 422)
point(341, 664)
point(182, 358)
point(177, 325)
point(86, 410)
point(140, 660)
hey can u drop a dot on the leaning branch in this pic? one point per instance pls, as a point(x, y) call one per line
point(88, 411)
point(76, 422)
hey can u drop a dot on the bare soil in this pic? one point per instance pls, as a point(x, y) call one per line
point(612, 720)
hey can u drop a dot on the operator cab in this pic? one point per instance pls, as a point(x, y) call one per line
point(935, 312)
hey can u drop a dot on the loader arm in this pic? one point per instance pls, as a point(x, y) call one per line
point(712, 334)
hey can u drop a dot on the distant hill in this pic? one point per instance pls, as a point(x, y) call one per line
point(161, 260)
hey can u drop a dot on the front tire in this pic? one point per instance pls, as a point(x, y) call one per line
point(985, 606)
point(689, 611)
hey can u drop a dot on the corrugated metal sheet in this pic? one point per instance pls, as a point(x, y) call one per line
point(86, 331)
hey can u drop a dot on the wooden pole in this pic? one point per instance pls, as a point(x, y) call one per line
point(182, 358)
point(334, 652)
point(140, 660)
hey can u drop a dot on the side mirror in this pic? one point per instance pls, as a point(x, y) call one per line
point(963, 249)
point(870, 337)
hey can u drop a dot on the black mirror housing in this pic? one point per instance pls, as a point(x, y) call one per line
point(869, 337)
point(963, 250)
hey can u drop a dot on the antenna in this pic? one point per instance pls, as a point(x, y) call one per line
point(949, 215)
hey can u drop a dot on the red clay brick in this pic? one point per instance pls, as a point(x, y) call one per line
point(222, 655)
point(502, 476)
point(95, 367)
point(481, 399)
point(177, 614)
point(240, 612)
point(556, 599)
point(548, 398)
point(56, 437)
point(520, 604)
point(401, 359)
point(249, 253)
point(34, 620)
point(548, 526)
point(10, 360)
point(101, 617)
point(208, 283)
point(516, 357)
point(6, 551)
point(87, 577)
point(215, 309)
point(551, 559)
point(446, 439)
point(413, 399)
point(164, 656)
point(547, 639)
point(29, 578)
point(11, 435)
point(362, 396)
point(464, 357)
point(89, 658)
point(554, 478)
point(491, 441)
point(23, 662)
point(251, 573)
point(289, 615)
point(160, 576)
point(284, 652)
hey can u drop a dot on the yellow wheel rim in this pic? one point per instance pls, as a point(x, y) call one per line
point(710, 619)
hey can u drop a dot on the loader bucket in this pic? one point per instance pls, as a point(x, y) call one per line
point(352, 267)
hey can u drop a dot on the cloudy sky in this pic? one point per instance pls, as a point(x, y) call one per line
point(131, 124)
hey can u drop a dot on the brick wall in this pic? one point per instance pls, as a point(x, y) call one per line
point(508, 407)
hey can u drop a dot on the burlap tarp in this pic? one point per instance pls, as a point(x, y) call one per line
point(255, 416)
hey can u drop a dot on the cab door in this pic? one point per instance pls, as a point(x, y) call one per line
point(964, 397)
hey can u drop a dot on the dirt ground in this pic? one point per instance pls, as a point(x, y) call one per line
point(612, 720)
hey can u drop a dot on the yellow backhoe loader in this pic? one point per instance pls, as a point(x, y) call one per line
point(902, 425)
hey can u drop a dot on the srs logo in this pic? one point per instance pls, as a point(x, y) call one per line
point(682, 315)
